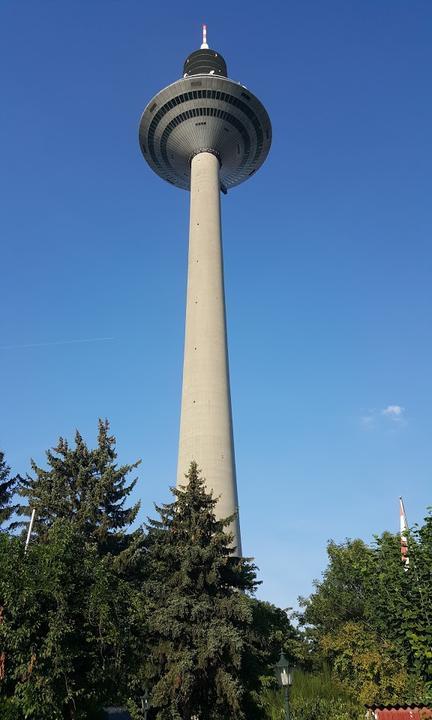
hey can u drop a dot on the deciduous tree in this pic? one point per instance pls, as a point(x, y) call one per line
point(73, 627)
point(369, 617)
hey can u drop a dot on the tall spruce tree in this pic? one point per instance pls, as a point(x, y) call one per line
point(86, 487)
point(199, 615)
point(7, 490)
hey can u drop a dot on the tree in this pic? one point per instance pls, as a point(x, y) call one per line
point(368, 619)
point(367, 663)
point(7, 490)
point(72, 629)
point(199, 616)
point(85, 486)
point(73, 626)
point(420, 568)
point(402, 605)
point(342, 594)
point(271, 631)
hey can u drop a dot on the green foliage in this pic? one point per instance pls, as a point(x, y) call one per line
point(273, 632)
point(368, 663)
point(71, 627)
point(73, 615)
point(270, 631)
point(9, 710)
point(199, 617)
point(369, 617)
point(341, 595)
point(317, 696)
point(322, 709)
point(95, 614)
point(84, 486)
point(7, 489)
point(402, 608)
point(322, 685)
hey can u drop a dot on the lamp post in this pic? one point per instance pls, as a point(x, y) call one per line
point(145, 704)
point(284, 678)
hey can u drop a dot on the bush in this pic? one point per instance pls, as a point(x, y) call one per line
point(324, 709)
point(313, 697)
point(9, 711)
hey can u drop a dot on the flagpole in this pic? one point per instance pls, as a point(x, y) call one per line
point(403, 533)
point(405, 556)
point(30, 530)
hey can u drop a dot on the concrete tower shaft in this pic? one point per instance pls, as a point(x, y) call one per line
point(206, 433)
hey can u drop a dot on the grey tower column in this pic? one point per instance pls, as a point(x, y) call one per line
point(206, 433)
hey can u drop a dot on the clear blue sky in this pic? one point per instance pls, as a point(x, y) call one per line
point(327, 250)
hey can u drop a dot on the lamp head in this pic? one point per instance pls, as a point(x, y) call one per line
point(283, 671)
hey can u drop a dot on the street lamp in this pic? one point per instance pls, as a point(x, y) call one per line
point(145, 704)
point(284, 678)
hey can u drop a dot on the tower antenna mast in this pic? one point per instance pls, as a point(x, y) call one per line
point(204, 45)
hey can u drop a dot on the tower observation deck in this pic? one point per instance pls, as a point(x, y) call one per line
point(206, 133)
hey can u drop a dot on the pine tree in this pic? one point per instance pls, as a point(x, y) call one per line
point(86, 487)
point(7, 489)
point(198, 613)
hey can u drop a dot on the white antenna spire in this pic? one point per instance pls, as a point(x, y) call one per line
point(204, 45)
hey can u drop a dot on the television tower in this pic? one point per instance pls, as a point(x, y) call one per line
point(206, 133)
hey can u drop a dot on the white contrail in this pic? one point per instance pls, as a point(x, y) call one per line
point(55, 342)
